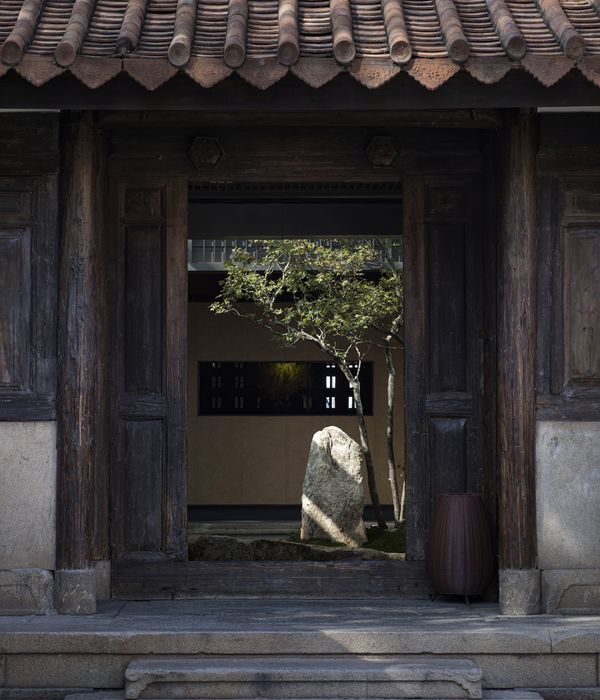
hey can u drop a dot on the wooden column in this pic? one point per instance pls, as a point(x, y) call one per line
point(519, 582)
point(76, 582)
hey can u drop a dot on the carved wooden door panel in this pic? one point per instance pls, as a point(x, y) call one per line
point(148, 369)
point(444, 346)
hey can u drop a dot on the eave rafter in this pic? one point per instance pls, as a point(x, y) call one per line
point(263, 39)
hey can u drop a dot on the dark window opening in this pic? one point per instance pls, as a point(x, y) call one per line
point(280, 389)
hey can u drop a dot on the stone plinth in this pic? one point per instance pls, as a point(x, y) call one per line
point(297, 677)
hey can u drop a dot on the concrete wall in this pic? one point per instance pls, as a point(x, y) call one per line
point(568, 515)
point(262, 460)
point(27, 495)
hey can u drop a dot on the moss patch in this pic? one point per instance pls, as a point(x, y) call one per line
point(386, 540)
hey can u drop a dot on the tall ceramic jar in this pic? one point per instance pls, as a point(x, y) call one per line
point(459, 559)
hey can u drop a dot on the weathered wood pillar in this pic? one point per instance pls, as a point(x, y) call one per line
point(75, 575)
point(519, 578)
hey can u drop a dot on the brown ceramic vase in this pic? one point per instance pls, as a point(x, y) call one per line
point(459, 557)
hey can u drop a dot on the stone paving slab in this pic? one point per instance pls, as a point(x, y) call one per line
point(316, 627)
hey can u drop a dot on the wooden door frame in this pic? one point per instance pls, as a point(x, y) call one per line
point(158, 577)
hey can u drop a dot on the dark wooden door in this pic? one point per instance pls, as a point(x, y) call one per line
point(148, 369)
point(444, 352)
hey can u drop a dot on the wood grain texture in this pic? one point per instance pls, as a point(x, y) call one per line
point(568, 408)
point(15, 304)
point(443, 347)
point(148, 377)
point(175, 479)
point(488, 341)
point(415, 383)
point(432, 119)
point(252, 153)
point(102, 427)
point(517, 343)
point(77, 344)
point(301, 580)
point(582, 307)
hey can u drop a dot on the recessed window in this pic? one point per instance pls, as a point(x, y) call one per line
point(280, 388)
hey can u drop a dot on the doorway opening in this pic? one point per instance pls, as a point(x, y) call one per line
point(247, 451)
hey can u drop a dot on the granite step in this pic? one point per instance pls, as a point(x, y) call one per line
point(303, 677)
point(487, 695)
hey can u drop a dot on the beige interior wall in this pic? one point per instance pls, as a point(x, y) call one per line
point(234, 460)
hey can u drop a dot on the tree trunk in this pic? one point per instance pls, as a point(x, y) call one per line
point(390, 433)
point(364, 441)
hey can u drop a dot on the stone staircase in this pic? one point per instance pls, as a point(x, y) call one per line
point(304, 677)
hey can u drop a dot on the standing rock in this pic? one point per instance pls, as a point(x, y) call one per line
point(333, 497)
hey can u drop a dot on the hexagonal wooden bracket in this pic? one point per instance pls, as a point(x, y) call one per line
point(205, 153)
point(382, 151)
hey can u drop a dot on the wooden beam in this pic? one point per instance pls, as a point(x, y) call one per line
point(234, 52)
point(76, 336)
point(510, 37)
point(129, 34)
point(183, 35)
point(517, 342)
point(19, 38)
point(453, 119)
point(395, 26)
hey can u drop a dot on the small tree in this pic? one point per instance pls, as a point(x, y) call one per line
point(333, 305)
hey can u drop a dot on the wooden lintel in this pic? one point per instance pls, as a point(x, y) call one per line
point(449, 119)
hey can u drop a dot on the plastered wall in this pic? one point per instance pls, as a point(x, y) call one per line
point(27, 495)
point(262, 460)
point(568, 495)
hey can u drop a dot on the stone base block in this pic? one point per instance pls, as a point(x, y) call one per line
point(76, 592)
point(296, 677)
point(569, 693)
point(26, 592)
point(520, 592)
point(511, 695)
point(102, 569)
point(43, 693)
point(571, 591)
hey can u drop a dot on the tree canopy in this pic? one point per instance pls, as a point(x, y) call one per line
point(344, 297)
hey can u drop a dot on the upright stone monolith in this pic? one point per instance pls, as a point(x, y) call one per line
point(333, 496)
